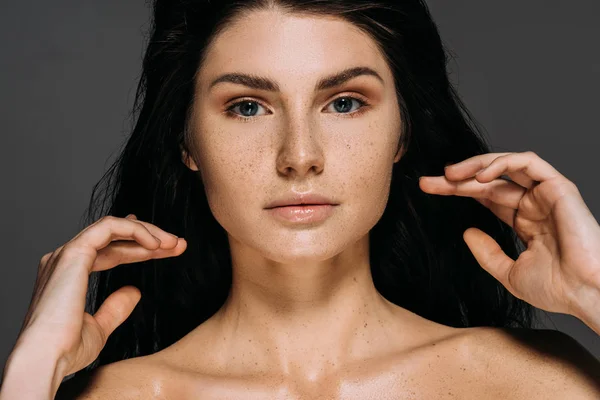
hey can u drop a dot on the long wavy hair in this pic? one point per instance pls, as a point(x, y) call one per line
point(419, 260)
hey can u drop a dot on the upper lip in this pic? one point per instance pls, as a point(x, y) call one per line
point(294, 199)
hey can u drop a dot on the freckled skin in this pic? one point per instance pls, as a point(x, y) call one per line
point(303, 318)
point(292, 282)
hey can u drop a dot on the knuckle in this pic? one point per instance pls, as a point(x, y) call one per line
point(531, 153)
point(108, 219)
point(45, 258)
point(563, 187)
point(567, 186)
point(488, 193)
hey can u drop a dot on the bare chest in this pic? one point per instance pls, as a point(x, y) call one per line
point(410, 379)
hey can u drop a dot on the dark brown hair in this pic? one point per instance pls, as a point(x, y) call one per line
point(419, 260)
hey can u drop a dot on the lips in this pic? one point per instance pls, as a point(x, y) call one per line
point(295, 199)
point(302, 214)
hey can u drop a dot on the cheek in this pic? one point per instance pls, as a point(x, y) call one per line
point(371, 181)
point(368, 169)
point(231, 173)
point(370, 151)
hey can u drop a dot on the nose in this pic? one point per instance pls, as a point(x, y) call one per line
point(300, 151)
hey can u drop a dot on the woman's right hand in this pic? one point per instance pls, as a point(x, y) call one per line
point(57, 310)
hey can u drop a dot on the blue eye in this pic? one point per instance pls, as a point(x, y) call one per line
point(248, 107)
point(346, 104)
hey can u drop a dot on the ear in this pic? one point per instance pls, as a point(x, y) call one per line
point(188, 160)
point(399, 154)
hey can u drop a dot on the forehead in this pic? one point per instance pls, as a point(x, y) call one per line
point(292, 47)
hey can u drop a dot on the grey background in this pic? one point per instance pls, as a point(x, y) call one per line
point(528, 71)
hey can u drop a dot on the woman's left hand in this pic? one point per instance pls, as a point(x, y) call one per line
point(562, 262)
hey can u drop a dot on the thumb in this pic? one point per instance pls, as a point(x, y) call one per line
point(489, 255)
point(116, 309)
point(97, 328)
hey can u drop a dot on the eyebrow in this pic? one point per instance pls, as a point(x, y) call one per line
point(262, 83)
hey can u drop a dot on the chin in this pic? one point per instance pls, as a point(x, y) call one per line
point(302, 252)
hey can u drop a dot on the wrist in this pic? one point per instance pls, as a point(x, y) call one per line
point(32, 372)
point(585, 305)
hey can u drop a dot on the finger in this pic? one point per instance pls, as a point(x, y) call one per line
point(489, 255)
point(168, 240)
point(130, 217)
point(500, 191)
point(506, 214)
point(532, 168)
point(528, 163)
point(44, 262)
point(126, 252)
point(113, 312)
point(518, 177)
point(111, 228)
point(471, 166)
point(72, 252)
point(45, 259)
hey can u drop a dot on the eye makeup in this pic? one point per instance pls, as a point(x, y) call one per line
point(362, 102)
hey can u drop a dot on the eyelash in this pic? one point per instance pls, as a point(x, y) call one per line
point(363, 104)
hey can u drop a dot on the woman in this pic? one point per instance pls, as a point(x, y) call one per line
point(283, 142)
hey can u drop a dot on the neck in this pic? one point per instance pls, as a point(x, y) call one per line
point(305, 319)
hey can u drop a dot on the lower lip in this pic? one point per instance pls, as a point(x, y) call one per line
point(303, 214)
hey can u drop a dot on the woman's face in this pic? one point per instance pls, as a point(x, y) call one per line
point(292, 136)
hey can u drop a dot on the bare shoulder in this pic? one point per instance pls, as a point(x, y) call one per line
point(537, 363)
point(131, 379)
